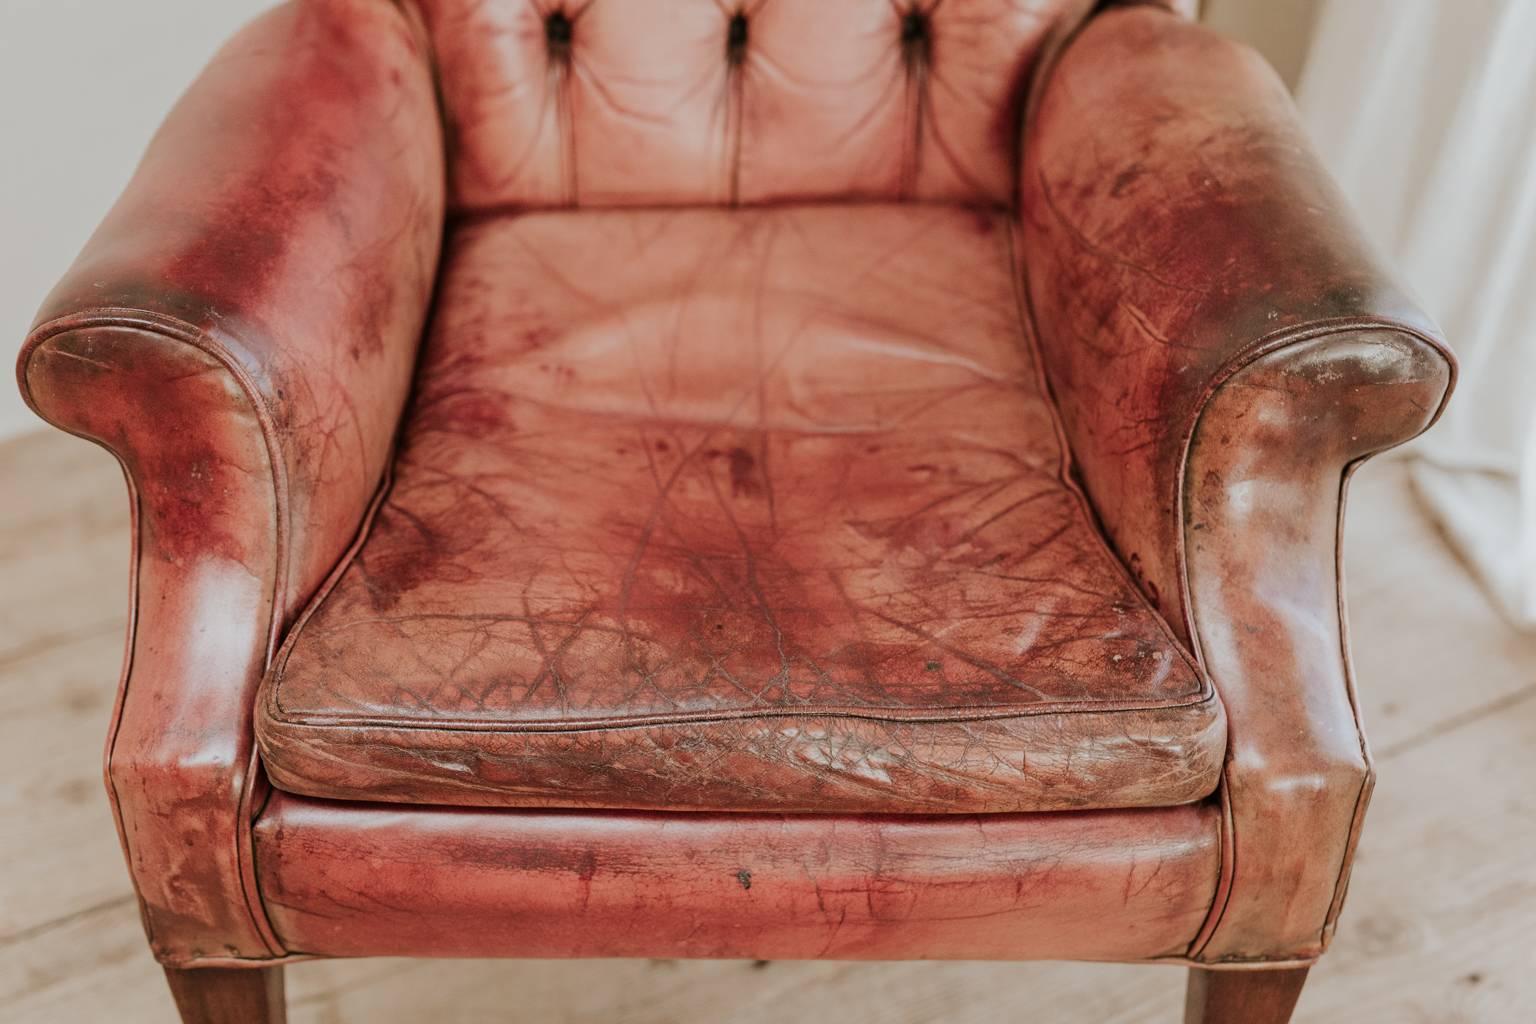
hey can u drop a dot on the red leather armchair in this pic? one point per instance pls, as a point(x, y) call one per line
point(781, 480)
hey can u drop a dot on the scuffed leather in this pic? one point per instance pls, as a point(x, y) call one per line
point(290, 210)
point(1223, 347)
point(205, 538)
point(240, 332)
point(380, 880)
point(647, 102)
point(1263, 561)
point(1175, 222)
point(736, 510)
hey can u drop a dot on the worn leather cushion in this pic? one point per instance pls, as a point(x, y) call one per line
point(736, 510)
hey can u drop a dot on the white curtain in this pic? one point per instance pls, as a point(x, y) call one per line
point(1426, 113)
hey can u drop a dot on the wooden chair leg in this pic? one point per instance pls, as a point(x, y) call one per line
point(1242, 997)
point(228, 995)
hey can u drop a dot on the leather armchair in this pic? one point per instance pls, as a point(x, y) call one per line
point(812, 480)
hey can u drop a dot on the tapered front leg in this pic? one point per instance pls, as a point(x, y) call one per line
point(227, 995)
point(1242, 997)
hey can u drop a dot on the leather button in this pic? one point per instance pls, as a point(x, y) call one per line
point(557, 30)
point(914, 35)
point(736, 38)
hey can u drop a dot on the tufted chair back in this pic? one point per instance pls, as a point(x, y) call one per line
point(671, 102)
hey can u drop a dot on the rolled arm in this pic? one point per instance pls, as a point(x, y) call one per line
point(1224, 348)
point(240, 332)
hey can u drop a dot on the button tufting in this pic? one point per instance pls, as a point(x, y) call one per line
point(736, 38)
point(696, 101)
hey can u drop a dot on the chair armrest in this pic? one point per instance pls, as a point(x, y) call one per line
point(1175, 226)
point(240, 332)
point(1224, 348)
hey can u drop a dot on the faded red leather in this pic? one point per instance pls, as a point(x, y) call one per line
point(650, 102)
point(844, 408)
point(1162, 255)
point(240, 332)
point(1223, 347)
point(736, 510)
point(379, 880)
point(1263, 564)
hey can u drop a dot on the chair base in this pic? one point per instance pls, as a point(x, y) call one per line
point(228, 995)
point(1242, 997)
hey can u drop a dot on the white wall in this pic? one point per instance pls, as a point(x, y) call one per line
point(83, 83)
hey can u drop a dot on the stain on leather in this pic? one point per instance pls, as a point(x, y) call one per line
point(1149, 287)
point(1225, 348)
point(774, 518)
point(240, 332)
point(643, 547)
point(700, 101)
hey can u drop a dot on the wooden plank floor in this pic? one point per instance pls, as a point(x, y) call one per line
point(1440, 926)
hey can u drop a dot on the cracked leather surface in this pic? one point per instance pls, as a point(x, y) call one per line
point(736, 510)
point(385, 880)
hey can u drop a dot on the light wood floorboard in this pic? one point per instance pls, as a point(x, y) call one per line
point(1440, 927)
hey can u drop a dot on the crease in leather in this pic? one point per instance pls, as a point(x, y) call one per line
point(735, 113)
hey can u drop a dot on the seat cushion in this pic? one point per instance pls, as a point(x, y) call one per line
point(736, 510)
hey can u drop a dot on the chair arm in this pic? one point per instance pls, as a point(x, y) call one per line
point(240, 332)
point(1224, 348)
